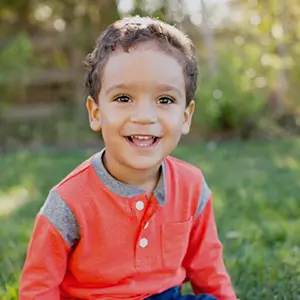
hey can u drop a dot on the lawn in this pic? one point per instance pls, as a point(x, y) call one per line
point(256, 189)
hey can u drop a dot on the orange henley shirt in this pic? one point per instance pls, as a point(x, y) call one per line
point(98, 238)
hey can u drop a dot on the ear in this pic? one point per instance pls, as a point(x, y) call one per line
point(188, 114)
point(94, 114)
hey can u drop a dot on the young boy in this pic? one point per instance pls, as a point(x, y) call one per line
point(131, 222)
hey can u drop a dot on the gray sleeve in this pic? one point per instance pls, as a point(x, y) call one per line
point(204, 197)
point(59, 214)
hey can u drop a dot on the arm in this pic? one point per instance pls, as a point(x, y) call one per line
point(55, 232)
point(204, 260)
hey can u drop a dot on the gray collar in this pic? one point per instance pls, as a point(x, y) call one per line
point(126, 190)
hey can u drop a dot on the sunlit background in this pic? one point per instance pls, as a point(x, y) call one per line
point(245, 135)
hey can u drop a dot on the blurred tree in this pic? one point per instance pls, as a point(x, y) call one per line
point(209, 39)
point(269, 29)
point(43, 44)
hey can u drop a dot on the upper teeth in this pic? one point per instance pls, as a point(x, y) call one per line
point(141, 137)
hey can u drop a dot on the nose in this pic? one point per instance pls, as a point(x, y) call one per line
point(144, 112)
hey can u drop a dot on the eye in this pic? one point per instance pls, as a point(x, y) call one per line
point(122, 99)
point(166, 100)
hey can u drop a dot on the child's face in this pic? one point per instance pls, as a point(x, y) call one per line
point(141, 107)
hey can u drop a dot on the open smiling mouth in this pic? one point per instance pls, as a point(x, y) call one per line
point(143, 141)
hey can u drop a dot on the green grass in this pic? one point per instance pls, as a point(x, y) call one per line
point(256, 198)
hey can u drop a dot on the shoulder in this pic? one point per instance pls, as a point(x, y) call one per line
point(62, 205)
point(77, 174)
point(192, 179)
point(77, 184)
point(186, 172)
point(61, 216)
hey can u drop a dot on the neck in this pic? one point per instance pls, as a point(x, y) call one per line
point(145, 179)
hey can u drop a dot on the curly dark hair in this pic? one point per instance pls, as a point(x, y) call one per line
point(129, 32)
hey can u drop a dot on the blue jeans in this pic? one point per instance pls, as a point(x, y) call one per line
point(175, 294)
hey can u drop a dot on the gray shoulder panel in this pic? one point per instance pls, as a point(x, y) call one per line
point(57, 211)
point(204, 197)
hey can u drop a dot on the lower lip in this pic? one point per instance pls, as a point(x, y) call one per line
point(144, 147)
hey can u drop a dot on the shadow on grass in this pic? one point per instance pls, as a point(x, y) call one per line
point(34, 174)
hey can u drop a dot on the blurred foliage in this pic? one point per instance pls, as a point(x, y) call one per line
point(248, 51)
point(229, 101)
point(16, 58)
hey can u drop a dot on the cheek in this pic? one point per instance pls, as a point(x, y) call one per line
point(110, 119)
point(174, 120)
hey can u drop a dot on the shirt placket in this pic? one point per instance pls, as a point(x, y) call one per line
point(144, 209)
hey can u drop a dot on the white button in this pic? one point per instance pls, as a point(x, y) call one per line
point(146, 225)
point(140, 205)
point(143, 242)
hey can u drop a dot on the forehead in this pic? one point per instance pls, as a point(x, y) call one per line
point(143, 65)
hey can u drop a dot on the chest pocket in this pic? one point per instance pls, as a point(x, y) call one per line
point(175, 239)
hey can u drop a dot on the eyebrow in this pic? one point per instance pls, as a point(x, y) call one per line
point(162, 87)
